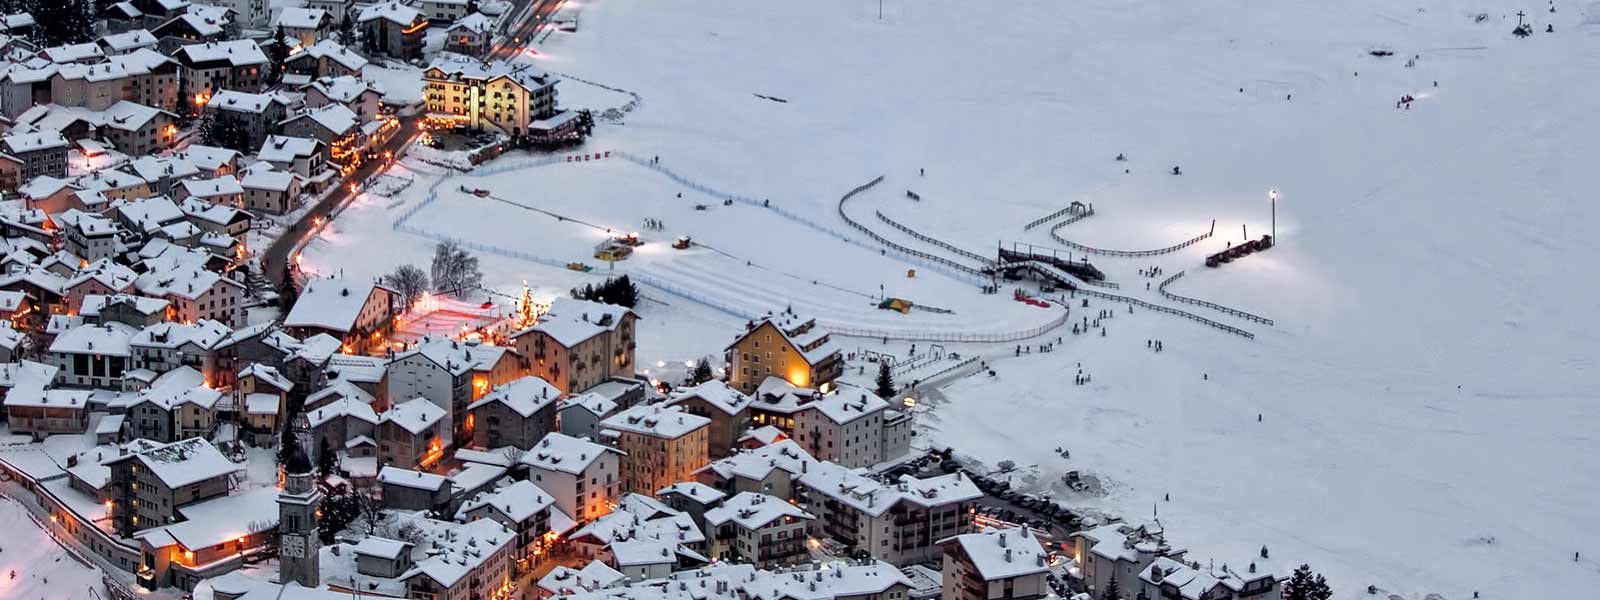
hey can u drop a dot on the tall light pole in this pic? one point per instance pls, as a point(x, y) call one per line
point(1274, 195)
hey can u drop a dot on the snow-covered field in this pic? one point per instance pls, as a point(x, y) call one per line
point(32, 565)
point(1430, 382)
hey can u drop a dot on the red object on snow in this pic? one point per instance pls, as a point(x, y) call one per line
point(487, 305)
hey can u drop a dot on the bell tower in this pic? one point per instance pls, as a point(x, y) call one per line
point(298, 504)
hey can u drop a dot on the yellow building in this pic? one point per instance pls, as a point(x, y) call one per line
point(783, 345)
point(660, 446)
point(494, 96)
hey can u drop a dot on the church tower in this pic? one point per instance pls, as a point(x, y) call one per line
point(297, 522)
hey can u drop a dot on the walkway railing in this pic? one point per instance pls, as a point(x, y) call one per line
point(932, 240)
point(940, 263)
point(1092, 250)
point(1211, 305)
point(1169, 310)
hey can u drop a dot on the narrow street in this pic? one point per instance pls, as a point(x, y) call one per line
point(276, 259)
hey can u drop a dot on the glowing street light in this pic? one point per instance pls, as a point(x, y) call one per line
point(1274, 195)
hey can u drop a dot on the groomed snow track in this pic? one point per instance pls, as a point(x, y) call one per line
point(706, 294)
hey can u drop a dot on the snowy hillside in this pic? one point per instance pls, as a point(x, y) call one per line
point(1430, 382)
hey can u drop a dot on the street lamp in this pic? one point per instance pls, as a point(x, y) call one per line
point(1274, 195)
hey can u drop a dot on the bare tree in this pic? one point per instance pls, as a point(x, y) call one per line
point(454, 269)
point(409, 281)
point(370, 513)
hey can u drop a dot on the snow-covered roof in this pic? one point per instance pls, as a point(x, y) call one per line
point(19, 142)
point(261, 404)
point(498, 457)
point(412, 479)
point(225, 519)
point(264, 373)
point(209, 158)
point(317, 349)
point(452, 557)
point(35, 396)
point(1003, 553)
point(635, 552)
point(700, 492)
point(757, 464)
point(212, 188)
point(238, 53)
point(88, 224)
point(344, 89)
point(333, 51)
point(180, 272)
point(218, 214)
point(382, 547)
point(245, 102)
point(856, 489)
point(203, 25)
point(571, 321)
point(519, 501)
point(109, 339)
point(44, 186)
point(451, 66)
point(94, 304)
point(642, 518)
point(108, 179)
point(11, 300)
point(1195, 582)
point(140, 61)
point(283, 148)
point(847, 402)
point(128, 40)
point(455, 357)
point(205, 334)
point(343, 407)
point(25, 372)
point(562, 452)
point(336, 118)
point(267, 179)
point(524, 395)
point(654, 420)
point(1125, 541)
point(414, 416)
point(184, 462)
point(751, 510)
point(716, 393)
point(810, 340)
point(593, 403)
point(593, 576)
point(332, 304)
point(476, 23)
point(764, 435)
point(157, 168)
point(356, 368)
point(74, 52)
point(300, 18)
point(476, 476)
point(149, 214)
point(394, 12)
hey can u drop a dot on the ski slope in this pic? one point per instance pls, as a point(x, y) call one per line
point(1420, 250)
point(1429, 382)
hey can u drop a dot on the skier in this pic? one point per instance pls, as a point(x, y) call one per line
point(1120, 157)
point(1258, 417)
point(922, 172)
point(1176, 170)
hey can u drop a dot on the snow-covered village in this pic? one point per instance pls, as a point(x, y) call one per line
point(745, 300)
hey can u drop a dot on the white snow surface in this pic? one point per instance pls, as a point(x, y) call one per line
point(1429, 384)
